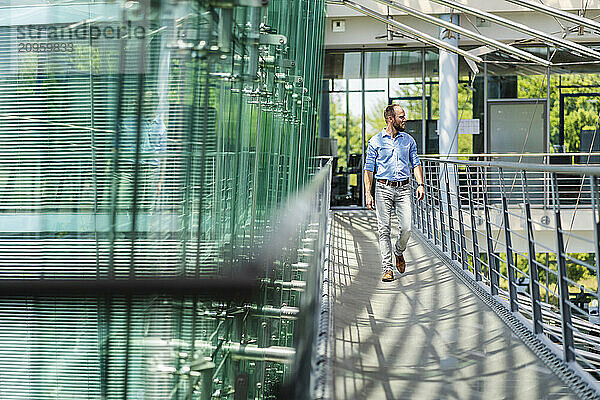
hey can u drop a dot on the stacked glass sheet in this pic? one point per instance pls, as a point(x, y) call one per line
point(147, 139)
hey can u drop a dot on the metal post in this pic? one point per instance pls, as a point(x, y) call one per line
point(547, 149)
point(565, 311)
point(427, 217)
point(547, 280)
point(512, 290)
point(364, 129)
point(461, 226)
point(347, 136)
point(433, 218)
point(492, 264)
point(421, 213)
point(596, 213)
point(476, 260)
point(485, 107)
point(442, 224)
point(450, 220)
point(423, 103)
point(533, 272)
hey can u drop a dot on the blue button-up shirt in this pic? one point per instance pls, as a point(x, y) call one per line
point(392, 159)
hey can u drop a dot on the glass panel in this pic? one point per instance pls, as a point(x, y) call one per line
point(517, 127)
point(151, 140)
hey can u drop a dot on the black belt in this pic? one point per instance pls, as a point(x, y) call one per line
point(393, 183)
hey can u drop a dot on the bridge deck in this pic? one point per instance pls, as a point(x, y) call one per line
point(424, 335)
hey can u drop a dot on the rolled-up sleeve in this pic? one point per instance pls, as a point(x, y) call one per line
point(414, 158)
point(370, 159)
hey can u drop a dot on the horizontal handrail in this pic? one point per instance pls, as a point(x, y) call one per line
point(529, 167)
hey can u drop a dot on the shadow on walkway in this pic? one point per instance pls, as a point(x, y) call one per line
point(424, 335)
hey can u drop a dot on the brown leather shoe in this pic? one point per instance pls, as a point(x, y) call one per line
point(388, 276)
point(400, 264)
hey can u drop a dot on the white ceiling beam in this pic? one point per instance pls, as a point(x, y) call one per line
point(459, 29)
point(422, 37)
point(575, 47)
point(555, 12)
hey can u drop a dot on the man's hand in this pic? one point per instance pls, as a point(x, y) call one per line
point(420, 193)
point(370, 201)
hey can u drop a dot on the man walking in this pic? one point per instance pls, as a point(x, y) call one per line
point(390, 156)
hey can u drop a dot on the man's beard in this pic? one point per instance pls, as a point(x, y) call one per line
point(399, 127)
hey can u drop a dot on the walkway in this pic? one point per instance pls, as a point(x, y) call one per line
point(423, 336)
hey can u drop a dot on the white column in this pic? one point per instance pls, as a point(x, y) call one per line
point(448, 119)
point(448, 67)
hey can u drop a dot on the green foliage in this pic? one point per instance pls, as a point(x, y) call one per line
point(580, 112)
point(337, 126)
point(374, 117)
point(575, 272)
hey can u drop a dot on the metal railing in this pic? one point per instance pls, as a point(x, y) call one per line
point(505, 225)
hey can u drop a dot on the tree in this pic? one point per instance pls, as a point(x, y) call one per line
point(580, 112)
point(337, 126)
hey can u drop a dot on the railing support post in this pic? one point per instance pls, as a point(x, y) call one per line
point(442, 224)
point(510, 268)
point(433, 218)
point(427, 205)
point(476, 260)
point(461, 226)
point(533, 272)
point(596, 214)
point(565, 310)
point(450, 220)
point(492, 264)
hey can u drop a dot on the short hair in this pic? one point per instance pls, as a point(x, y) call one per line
point(389, 111)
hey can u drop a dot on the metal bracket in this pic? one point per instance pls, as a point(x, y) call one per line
point(242, 3)
point(285, 63)
point(272, 39)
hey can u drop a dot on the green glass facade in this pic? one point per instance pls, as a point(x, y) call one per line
point(145, 139)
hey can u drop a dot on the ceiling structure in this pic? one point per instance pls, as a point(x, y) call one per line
point(505, 31)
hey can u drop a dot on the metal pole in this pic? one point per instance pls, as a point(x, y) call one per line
point(347, 137)
point(534, 291)
point(547, 149)
point(461, 225)
point(450, 220)
point(554, 12)
point(492, 264)
point(547, 38)
point(512, 290)
point(442, 224)
point(417, 34)
point(364, 129)
point(426, 199)
point(596, 214)
point(485, 107)
point(423, 103)
point(476, 260)
point(565, 311)
point(433, 217)
point(454, 27)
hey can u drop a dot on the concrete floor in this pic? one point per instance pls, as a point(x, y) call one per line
point(423, 336)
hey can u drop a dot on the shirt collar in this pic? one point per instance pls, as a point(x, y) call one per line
point(385, 133)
